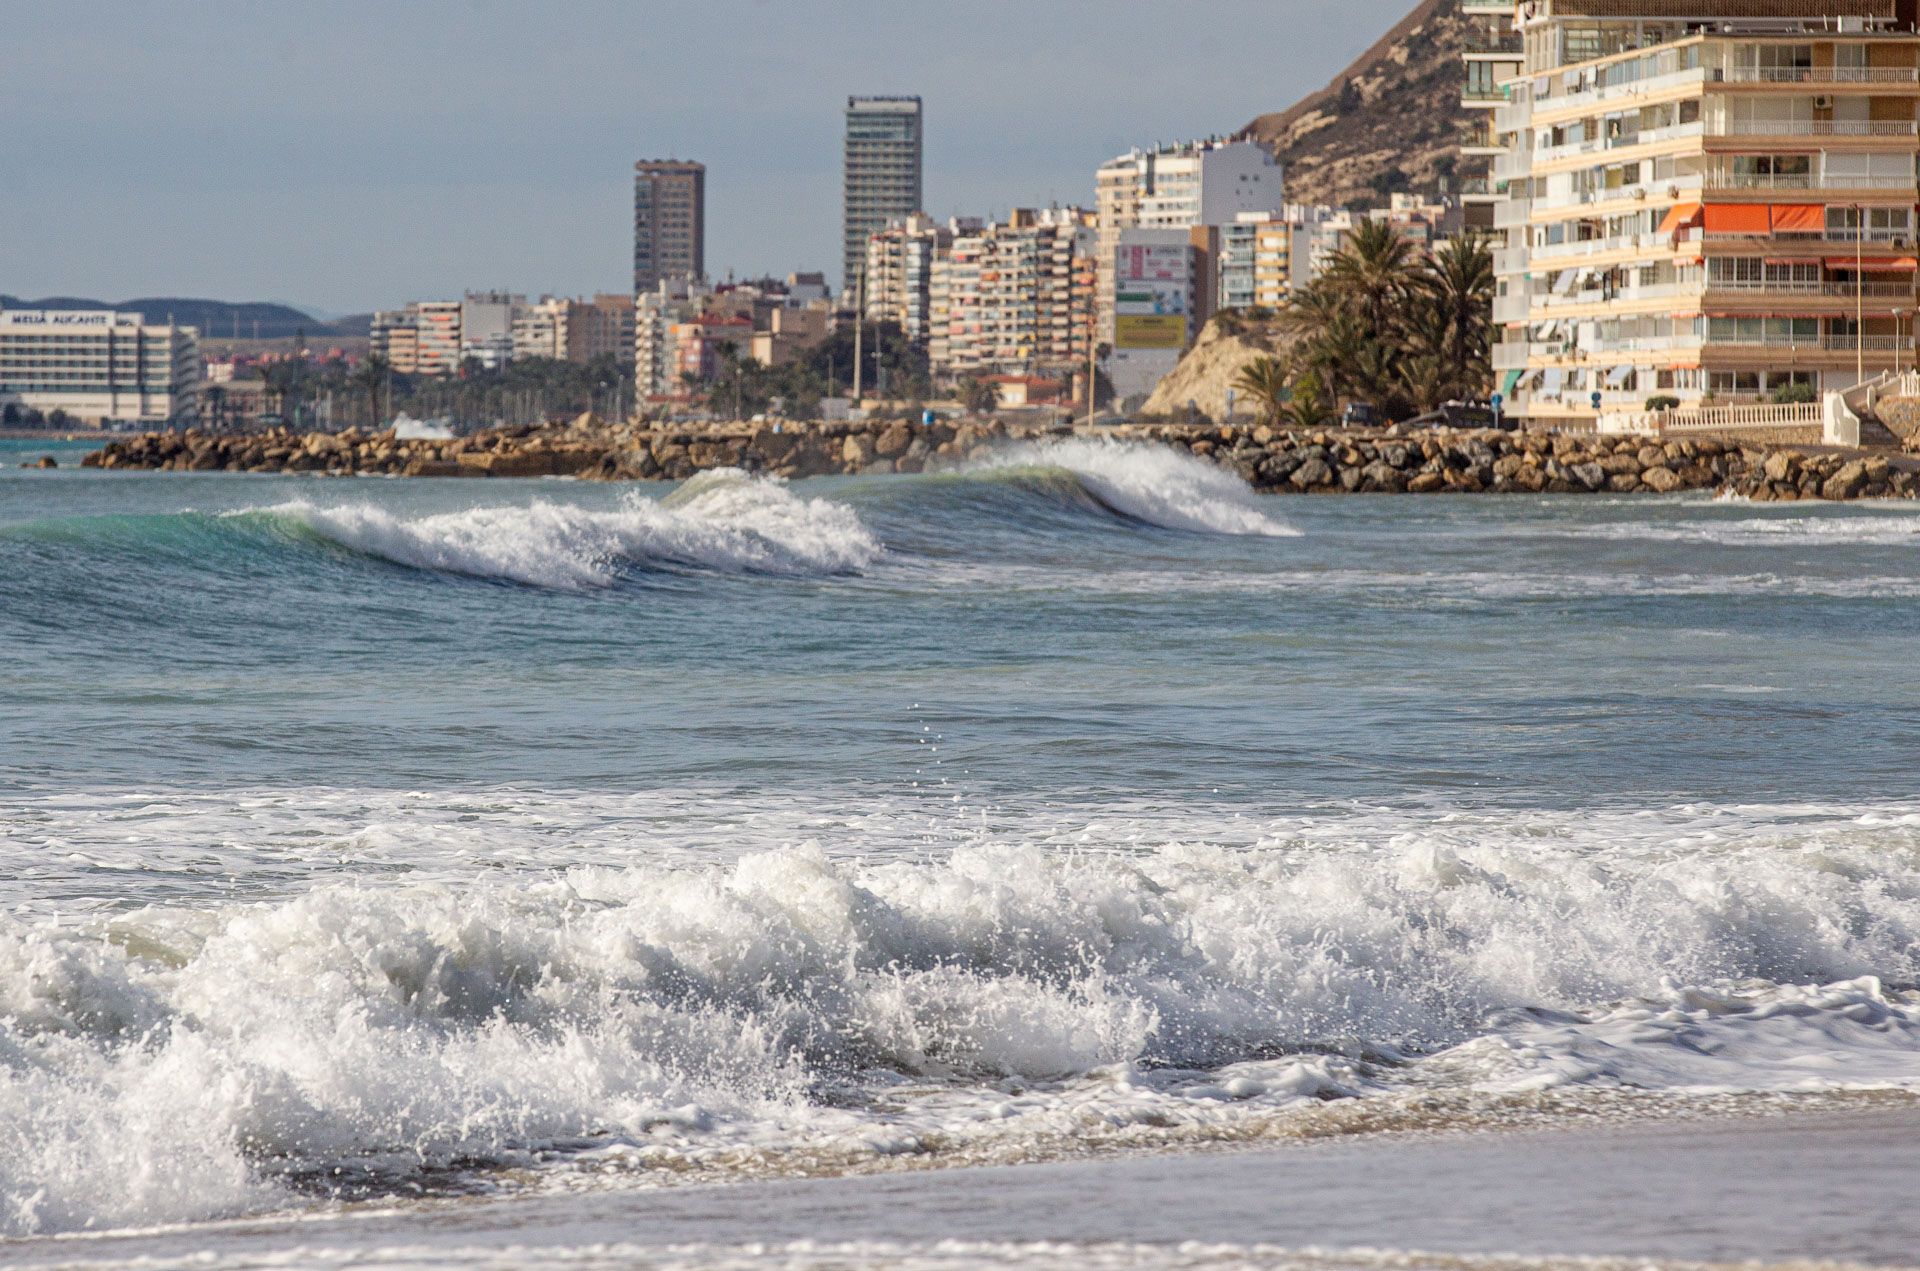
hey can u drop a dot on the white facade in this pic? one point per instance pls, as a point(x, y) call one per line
point(98, 366)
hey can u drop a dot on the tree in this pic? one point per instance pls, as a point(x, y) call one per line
point(1264, 381)
point(370, 377)
point(977, 396)
point(1455, 289)
point(1308, 406)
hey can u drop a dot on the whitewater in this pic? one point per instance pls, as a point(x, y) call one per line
point(383, 849)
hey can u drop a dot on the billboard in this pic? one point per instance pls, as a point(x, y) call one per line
point(1149, 331)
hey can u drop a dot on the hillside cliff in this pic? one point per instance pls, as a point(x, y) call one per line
point(1390, 121)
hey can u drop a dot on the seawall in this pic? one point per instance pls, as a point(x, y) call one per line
point(1278, 461)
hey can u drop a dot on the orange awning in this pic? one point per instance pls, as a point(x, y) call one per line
point(1738, 218)
point(1678, 215)
point(1799, 217)
point(1872, 262)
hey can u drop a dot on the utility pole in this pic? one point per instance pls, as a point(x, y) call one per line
point(1859, 294)
point(859, 331)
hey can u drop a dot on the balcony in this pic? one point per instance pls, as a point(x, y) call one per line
point(1817, 128)
point(1880, 291)
point(1601, 145)
point(1823, 76)
point(1724, 180)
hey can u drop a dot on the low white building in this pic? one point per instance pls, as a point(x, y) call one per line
point(98, 366)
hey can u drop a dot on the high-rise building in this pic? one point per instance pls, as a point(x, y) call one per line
point(1210, 183)
point(884, 175)
point(1704, 197)
point(602, 326)
point(669, 222)
point(98, 366)
point(1493, 57)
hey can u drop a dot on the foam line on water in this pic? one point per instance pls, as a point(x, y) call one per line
point(1150, 483)
point(725, 521)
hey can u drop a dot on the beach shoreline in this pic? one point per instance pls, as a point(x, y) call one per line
point(1827, 1185)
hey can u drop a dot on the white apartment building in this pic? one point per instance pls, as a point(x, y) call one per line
point(98, 366)
point(1705, 199)
point(1015, 298)
point(1209, 183)
point(541, 329)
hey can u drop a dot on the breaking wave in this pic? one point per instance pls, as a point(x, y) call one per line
point(793, 1010)
point(1156, 485)
point(722, 520)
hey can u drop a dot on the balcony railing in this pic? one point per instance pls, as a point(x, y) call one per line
point(1833, 290)
point(1816, 128)
point(1816, 75)
point(1600, 145)
point(1805, 181)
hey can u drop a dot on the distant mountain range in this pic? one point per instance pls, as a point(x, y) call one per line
point(1389, 122)
point(216, 319)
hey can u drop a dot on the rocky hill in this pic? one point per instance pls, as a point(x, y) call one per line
point(1208, 370)
point(1391, 121)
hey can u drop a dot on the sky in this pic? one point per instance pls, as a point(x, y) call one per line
point(345, 155)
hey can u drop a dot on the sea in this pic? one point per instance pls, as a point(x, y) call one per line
point(421, 848)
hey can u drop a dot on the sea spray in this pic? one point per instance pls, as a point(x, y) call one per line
point(800, 1008)
point(1154, 484)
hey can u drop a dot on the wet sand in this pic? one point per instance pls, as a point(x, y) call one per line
point(1829, 1186)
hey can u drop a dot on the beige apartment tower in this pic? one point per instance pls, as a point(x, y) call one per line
point(669, 222)
point(1705, 200)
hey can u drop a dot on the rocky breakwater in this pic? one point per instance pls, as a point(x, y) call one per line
point(518, 452)
point(1277, 461)
point(581, 449)
point(1445, 461)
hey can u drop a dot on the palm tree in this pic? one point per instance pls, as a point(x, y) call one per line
point(1307, 406)
point(1458, 284)
point(977, 396)
point(370, 377)
point(1264, 380)
point(1376, 270)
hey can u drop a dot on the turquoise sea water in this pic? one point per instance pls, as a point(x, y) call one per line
point(366, 835)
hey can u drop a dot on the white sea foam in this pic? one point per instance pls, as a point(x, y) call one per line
point(1037, 987)
point(723, 520)
point(1155, 484)
point(1887, 525)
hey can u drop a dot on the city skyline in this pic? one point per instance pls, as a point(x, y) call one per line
point(310, 178)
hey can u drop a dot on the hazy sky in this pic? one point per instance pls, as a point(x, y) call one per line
point(348, 154)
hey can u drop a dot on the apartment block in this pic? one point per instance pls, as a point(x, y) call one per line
point(1208, 183)
point(1493, 61)
point(540, 330)
point(884, 175)
point(899, 270)
point(98, 366)
point(669, 222)
point(600, 327)
point(1705, 199)
point(1016, 297)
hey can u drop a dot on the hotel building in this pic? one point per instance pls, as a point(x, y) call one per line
point(669, 222)
point(99, 367)
point(1705, 199)
point(884, 177)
